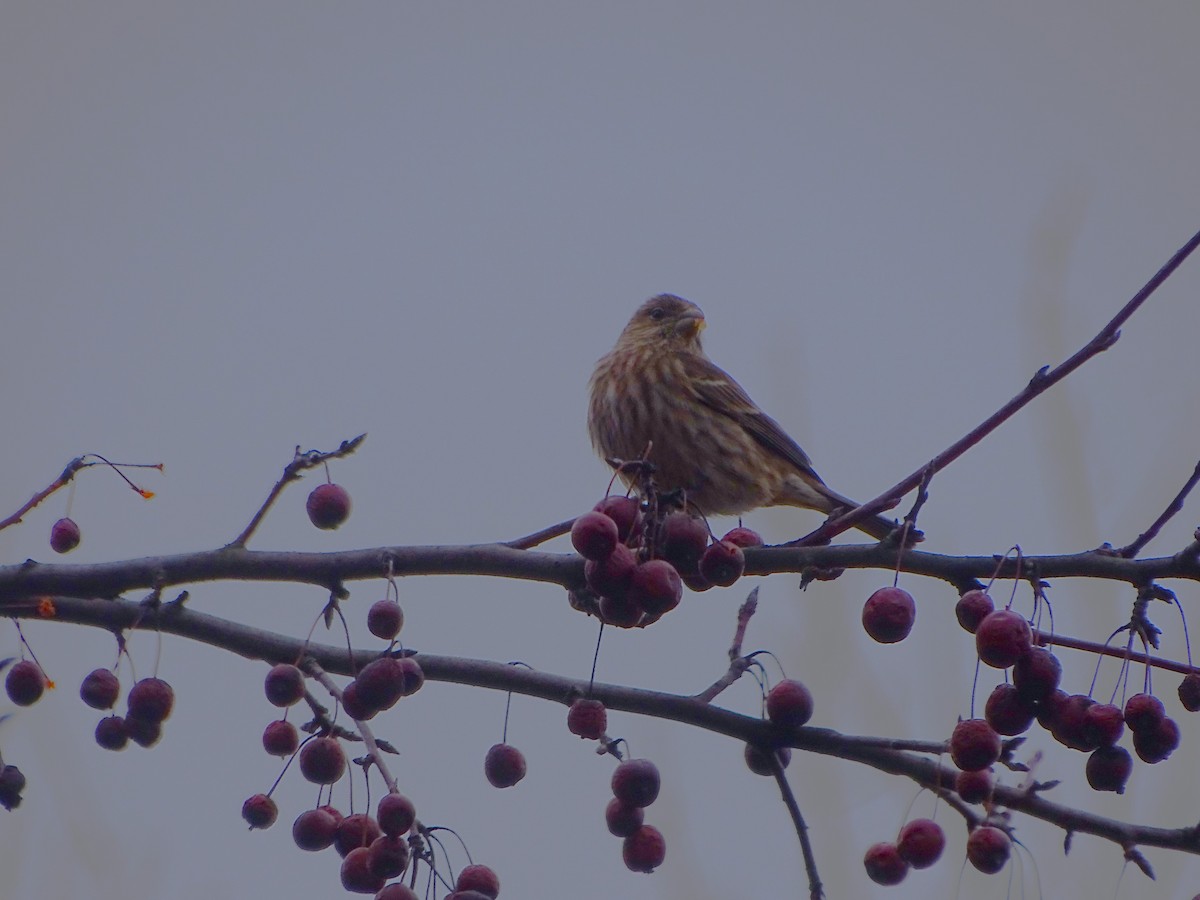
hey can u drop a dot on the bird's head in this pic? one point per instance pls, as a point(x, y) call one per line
point(666, 319)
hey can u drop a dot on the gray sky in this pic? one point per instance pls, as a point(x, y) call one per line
point(227, 229)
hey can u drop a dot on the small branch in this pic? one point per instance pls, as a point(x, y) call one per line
point(314, 669)
point(1046, 639)
point(291, 472)
point(1042, 381)
point(68, 474)
point(1129, 551)
point(815, 890)
point(548, 533)
point(737, 663)
point(61, 481)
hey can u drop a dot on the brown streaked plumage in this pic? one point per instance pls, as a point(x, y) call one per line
point(707, 436)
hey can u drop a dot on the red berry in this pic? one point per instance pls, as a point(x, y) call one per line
point(111, 733)
point(974, 787)
point(1036, 674)
point(380, 684)
point(100, 689)
point(1066, 714)
point(655, 587)
point(478, 878)
point(696, 582)
point(328, 506)
point(355, 830)
point(355, 706)
point(322, 760)
point(884, 864)
point(504, 765)
point(1156, 745)
point(397, 891)
point(888, 615)
point(620, 612)
point(385, 618)
point(587, 718)
point(413, 677)
point(1109, 768)
point(623, 820)
point(682, 541)
point(1103, 724)
point(1189, 691)
point(1002, 637)
point(594, 536)
point(1006, 712)
point(150, 700)
point(1144, 712)
point(284, 685)
point(389, 856)
point(260, 811)
point(357, 876)
point(974, 745)
point(761, 761)
point(12, 782)
point(635, 782)
point(644, 850)
point(143, 732)
point(988, 848)
point(314, 829)
point(611, 576)
point(921, 843)
point(395, 814)
point(723, 563)
point(744, 537)
point(280, 738)
point(25, 683)
point(626, 512)
point(972, 607)
point(64, 535)
point(789, 704)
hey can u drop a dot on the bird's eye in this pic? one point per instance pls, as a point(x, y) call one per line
point(658, 314)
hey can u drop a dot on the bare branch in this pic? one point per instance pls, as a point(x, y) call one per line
point(1042, 381)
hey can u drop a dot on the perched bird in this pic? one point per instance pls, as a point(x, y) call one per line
point(658, 389)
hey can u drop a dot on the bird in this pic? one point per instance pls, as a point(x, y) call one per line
point(657, 389)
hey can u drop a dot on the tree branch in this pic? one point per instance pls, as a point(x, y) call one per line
point(254, 643)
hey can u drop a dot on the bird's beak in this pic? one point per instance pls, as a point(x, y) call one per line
point(690, 325)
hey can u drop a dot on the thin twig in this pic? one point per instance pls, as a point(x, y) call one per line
point(1042, 380)
point(1046, 639)
point(549, 533)
point(737, 662)
point(68, 474)
point(291, 472)
point(1131, 550)
point(815, 889)
point(313, 668)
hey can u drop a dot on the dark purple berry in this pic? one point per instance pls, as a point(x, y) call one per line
point(328, 506)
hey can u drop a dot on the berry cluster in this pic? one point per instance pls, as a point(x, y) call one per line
point(373, 849)
point(638, 560)
point(635, 785)
point(918, 846)
point(1004, 640)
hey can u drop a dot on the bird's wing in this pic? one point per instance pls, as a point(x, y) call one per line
point(717, 390)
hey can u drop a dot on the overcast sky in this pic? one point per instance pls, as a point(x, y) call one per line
point(230, 228)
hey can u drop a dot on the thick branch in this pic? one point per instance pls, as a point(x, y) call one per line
point(330, 570)
point(253, 643)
